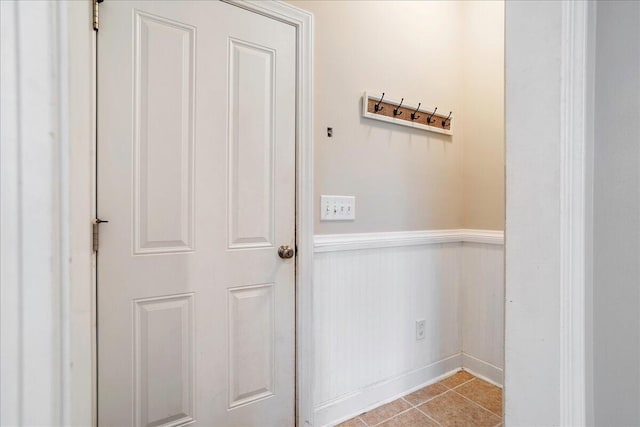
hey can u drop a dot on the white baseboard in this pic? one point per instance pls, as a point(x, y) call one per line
point(483, 370)
point(331, 413)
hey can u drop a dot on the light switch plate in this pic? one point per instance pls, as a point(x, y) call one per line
point(337, 208)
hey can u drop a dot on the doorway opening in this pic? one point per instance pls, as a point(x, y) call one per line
point(411, 290)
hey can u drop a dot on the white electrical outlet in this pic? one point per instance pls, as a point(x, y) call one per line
point(420, 329)
point(337, 208)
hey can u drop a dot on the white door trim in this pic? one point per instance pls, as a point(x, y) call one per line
point(35, 194)
point(577, 22)
point(546, 269)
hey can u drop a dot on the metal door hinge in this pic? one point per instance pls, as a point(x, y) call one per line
point(96, 233)
point(96, 14)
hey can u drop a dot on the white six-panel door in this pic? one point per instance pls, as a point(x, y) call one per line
point(196, 176)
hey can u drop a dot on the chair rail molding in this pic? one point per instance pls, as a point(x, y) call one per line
point(356, 241)
point(576, 26)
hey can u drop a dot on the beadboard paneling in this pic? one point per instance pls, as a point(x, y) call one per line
point(366, 303)
point(368, 298)
point(482, 309)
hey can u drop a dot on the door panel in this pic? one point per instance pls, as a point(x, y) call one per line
point(163, 113)
point(251, 86)
point(163, 357)
point(251, 343)
point(196, 175)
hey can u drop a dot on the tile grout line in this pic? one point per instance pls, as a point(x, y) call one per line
point(426, 415)
point(429, 400)
point(393, 416)
point(461, 384)
point(405, 411)
point(448, 389)
point(437, 395)
point(386, 419)
point(422, 403)
point(412, 406)
point(477, 404)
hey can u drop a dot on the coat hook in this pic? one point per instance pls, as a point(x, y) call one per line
point(444, 122)
point(431, 116)
point(414, 116)
point(377, 107)
point(395, 110)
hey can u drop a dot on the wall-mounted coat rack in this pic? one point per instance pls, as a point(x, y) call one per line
point(380, 107)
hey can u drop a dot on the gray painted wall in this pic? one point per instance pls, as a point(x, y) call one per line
point(616, 216)
point(448, 54)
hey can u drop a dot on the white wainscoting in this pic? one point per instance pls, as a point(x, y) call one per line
point(369, 290)
point(482, 310)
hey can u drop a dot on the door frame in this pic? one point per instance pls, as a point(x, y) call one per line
point(302, 21)
point(548, 270)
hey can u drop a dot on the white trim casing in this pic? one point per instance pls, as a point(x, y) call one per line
point(82, 131)
point(34, 220)
point(303, 22)
point(573, 198)
point(546, 216)
point(355, 241)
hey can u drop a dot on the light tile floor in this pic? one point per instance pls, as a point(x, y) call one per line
point(460, 400)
